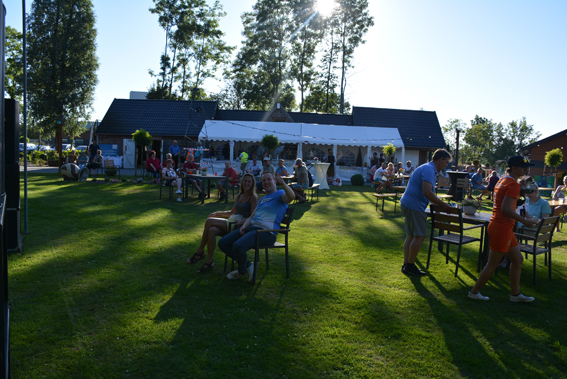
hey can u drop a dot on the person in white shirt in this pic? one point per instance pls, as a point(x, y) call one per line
point(409, 168)
point(255, 169)
point(378, 178)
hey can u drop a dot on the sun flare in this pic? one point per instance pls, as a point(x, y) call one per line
point(325, 7)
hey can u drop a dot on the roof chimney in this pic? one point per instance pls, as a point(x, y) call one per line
point(278, 106)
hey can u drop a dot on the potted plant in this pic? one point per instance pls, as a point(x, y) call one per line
point(553, 159)
point(270, 142)
point(388, 151)
point(471, 205)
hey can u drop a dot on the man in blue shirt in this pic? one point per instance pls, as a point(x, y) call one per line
point(418, 194)
point(174, 151)
point(268, 214)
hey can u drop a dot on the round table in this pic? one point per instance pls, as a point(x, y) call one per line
point(321, 175)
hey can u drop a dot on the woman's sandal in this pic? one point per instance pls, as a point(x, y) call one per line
point(207, 267)
point(196, 258)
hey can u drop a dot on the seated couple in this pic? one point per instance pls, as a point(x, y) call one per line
point(267, 213)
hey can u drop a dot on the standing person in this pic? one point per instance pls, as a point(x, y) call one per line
point(268, 214)
point(174, 150)
point(243, 161)
point(418, 194)
point(331, 160)
point(501, 232)
point(226, 151)
point(93, 148)
point(409, 168)
point(374, 159)
point(381, 159)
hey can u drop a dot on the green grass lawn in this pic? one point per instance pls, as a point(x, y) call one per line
point(103, 290)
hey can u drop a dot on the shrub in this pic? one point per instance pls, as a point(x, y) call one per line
point(357, 180)
point(553, 158)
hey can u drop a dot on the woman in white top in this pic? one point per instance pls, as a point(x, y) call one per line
point(560, 194)
point(169, 174)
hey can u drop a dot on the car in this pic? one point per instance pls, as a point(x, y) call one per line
point(31, 147)
point(66, 146)
point(45, 148)
point(82, 148)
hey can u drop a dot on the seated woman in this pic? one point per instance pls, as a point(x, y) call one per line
point(535, 206)
point(380, 179)
point(72, 157)
point(96, 162)
point(152, 165)
point(560, 194)
point(300, 175)
point(281, 170)
point(167, 157)
point(390, 173)
point(168, 174)
point(217, 223)
point(82, 160)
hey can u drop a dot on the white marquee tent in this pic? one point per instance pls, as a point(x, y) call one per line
point(248, 131)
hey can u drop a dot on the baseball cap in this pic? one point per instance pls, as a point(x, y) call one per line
point(519, 161)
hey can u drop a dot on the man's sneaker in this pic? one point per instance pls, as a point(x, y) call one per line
point(412, 269)
point(477, 296)
point(250, 273)
point(221, 197)
point(233, 275)
point(403, 266)
point(521, 299)
point(179, 199)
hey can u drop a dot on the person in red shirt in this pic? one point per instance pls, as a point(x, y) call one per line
point(223, 184)
point(152, 165)
point(190, 167)
point(501, 232)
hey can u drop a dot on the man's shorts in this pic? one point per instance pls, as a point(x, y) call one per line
point(502, 237)
point(416, 221)
point(303, 186)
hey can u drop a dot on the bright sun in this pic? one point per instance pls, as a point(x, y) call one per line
point(325, 7)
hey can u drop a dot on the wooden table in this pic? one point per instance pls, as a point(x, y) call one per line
point(476, 219)
point(208, 179)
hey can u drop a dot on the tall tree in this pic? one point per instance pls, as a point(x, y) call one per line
point(261, 66)
point(62, 62)
point(14, 68)
point(450, 132)
point(308, 33)
point(194, 46)
point(353, 21)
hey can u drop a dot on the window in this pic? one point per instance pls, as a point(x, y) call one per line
point(314, 152)
point(345, 157)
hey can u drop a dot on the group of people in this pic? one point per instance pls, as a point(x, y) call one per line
point(420, 192)
point(383, 176)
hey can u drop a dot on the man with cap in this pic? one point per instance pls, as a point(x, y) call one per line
point(501, 232)
point(419, 192)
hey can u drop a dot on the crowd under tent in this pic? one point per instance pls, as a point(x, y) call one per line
point(309, 140)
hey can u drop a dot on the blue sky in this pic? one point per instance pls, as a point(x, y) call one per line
point(502, 60)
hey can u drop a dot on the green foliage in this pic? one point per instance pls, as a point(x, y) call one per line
point(62, 62)
point(357, 180)
point(194, 47)
point(389, 150)
point(553, 158)
point(142, 138)
point(22, 139)
point(119, 292)
point(270, 142)
point(14, 71)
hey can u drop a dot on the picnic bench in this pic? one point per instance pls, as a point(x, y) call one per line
point(383, 196)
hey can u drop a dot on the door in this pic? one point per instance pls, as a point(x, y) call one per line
point(129, 153)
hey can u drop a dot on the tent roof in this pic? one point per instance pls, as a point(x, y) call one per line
point(248, 131)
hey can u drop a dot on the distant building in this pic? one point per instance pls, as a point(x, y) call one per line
point(415, 133)
point(536, 152)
